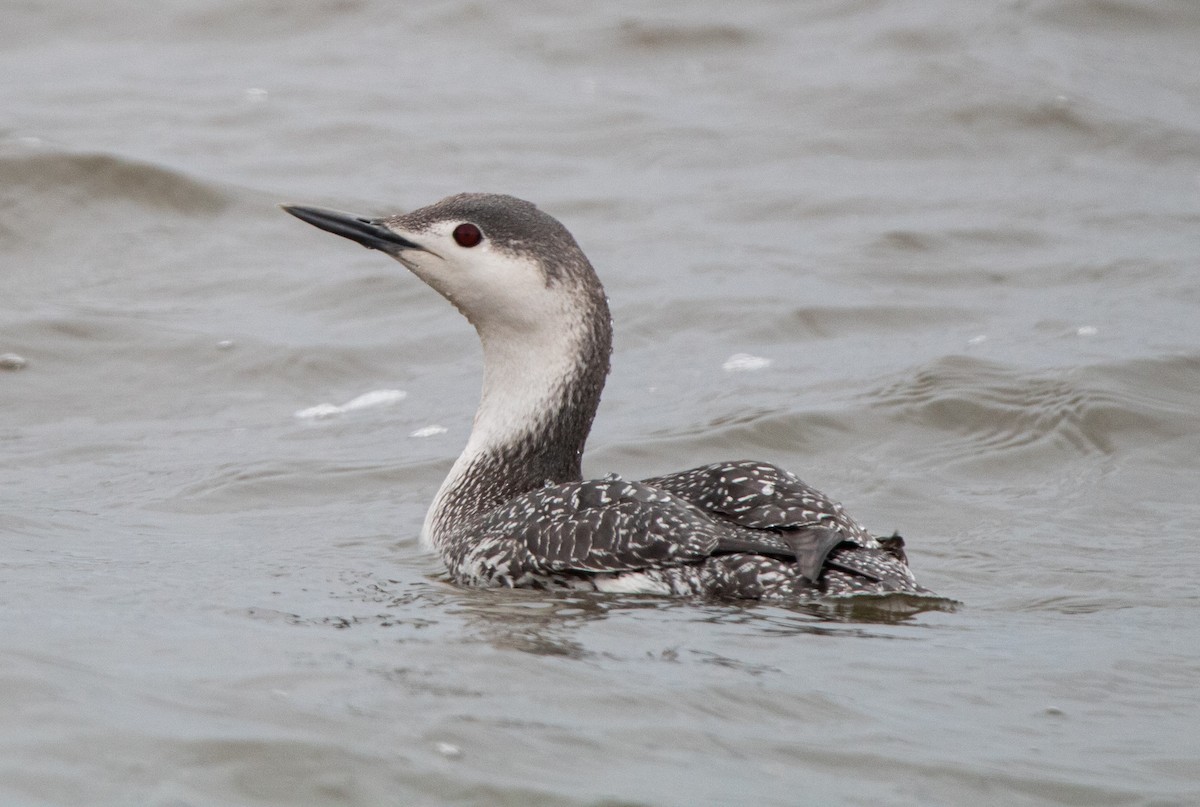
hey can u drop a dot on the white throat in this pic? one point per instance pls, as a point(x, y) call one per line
point(523, 379)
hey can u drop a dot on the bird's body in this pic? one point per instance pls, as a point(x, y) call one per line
point(515, 510)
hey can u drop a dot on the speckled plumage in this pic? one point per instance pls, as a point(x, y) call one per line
point(679, 536)
point(514, 510)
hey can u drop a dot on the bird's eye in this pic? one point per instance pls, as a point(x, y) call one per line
point(467, 235)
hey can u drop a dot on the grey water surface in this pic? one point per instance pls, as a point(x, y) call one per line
point(940, 259)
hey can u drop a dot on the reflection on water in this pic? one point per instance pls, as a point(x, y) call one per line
point(539, 623)
point(547, 623)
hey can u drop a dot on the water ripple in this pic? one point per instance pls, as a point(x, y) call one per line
point(996, 409)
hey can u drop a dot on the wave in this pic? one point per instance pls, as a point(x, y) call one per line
point(1118, 16)
point(47, 187)
point(640, 34)
point(958, 411)
point(1090, 410)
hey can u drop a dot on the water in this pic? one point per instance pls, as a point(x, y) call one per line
point(964, 239)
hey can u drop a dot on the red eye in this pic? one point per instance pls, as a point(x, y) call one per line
point(467, 235)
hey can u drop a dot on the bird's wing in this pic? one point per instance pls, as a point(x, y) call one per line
point(761, 496)
point(608, 525)
point(611, 525)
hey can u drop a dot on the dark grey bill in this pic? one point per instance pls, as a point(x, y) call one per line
point(368, 232)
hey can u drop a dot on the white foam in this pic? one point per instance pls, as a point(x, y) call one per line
point(744, 362)
point(429, 431)
point(448, 749)
point(325, 410)
point(368, 400)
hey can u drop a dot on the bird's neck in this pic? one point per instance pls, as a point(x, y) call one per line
point(540, 394)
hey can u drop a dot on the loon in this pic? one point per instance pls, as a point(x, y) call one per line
point(515, 510)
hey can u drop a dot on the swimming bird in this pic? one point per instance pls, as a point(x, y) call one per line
point(515, 510)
